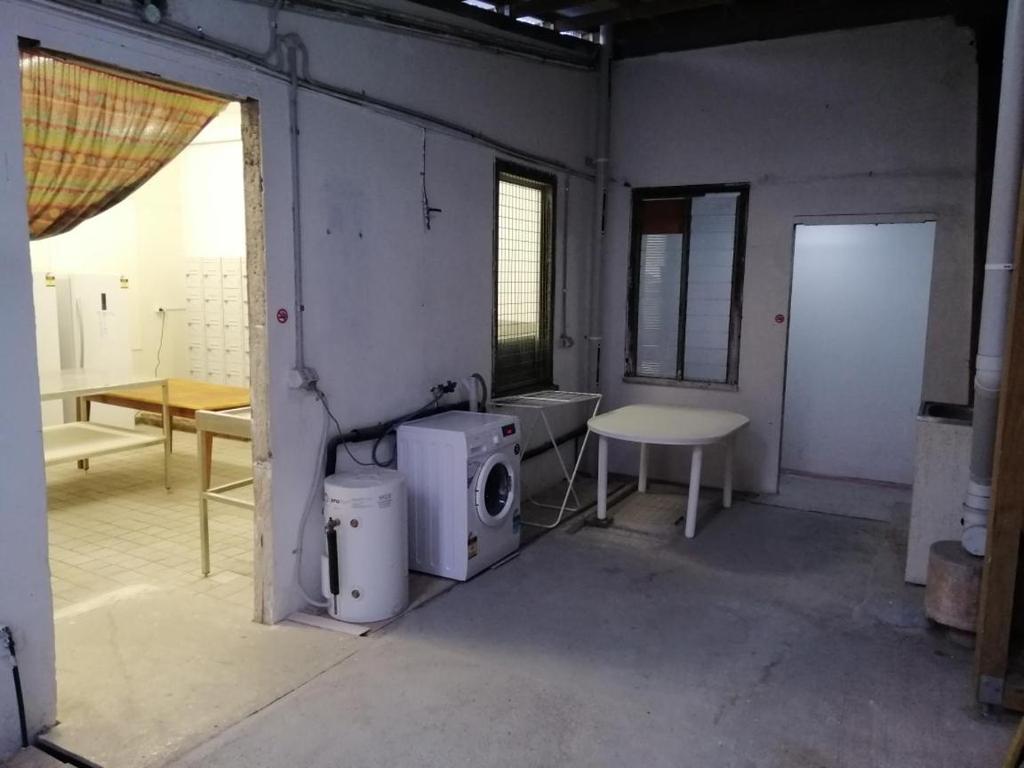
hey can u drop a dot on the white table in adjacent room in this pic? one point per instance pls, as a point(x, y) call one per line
point(81, 440)
point(667, 425)
point(236, 423)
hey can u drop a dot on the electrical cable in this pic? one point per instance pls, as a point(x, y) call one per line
point(319, 394)
point(316, 486)
point(160, 346)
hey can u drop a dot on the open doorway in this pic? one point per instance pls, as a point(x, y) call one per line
point(855, 361)
point(152, 288)
point(142, 325)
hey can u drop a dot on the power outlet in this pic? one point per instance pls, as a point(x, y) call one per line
point(302, 378)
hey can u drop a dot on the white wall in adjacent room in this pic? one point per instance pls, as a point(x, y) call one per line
point(193, 208)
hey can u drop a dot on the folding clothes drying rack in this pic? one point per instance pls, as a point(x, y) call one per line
point(538, 404)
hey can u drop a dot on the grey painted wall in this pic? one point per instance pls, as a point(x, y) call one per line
point(25, 601)
point(865, 122)
point(391, 308)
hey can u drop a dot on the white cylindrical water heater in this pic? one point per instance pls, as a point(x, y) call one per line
point(366, 565)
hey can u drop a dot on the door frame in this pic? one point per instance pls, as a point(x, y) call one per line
point(833, 220)
point(126, 48)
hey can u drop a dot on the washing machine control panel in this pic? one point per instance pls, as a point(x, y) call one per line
point(493, 436)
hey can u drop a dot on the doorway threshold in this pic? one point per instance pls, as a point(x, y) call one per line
point(843, 497)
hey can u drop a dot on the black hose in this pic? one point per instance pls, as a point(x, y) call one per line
point(378, 432)
point(21, 705)
point(7, 641)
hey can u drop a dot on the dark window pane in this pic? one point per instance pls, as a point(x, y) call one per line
point(686, 278)
point(522, 345)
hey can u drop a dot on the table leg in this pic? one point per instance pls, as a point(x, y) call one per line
point(641, 483)
point(727, 481)
point(602, 478)
point(166, 414)
point(204, 448)
point(82, 413)
point(694, 491)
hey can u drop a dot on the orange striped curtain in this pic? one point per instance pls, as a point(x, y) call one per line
point(93, 136)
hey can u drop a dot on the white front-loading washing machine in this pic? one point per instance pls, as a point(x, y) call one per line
point(462, 472)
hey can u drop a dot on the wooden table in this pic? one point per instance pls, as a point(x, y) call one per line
point(81, 440)
point(237, 423)
point(185, 396)
point(667, 425)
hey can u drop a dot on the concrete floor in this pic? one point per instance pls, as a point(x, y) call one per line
point(152, 658)
point(774, 639)
point(884, 502)
point(143, 679)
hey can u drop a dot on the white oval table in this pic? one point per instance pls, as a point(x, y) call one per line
point(667, 425)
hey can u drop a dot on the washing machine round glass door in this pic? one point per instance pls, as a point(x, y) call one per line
point(495, 490)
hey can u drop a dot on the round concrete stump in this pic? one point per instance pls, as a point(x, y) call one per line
point(954, 586)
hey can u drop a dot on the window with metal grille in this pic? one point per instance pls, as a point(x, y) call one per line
point(686, 283)
point(524, 235)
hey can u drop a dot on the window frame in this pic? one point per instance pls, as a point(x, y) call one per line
point(687, 192)
point(547, 183)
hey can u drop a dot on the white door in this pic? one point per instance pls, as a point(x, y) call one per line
point(858, 321)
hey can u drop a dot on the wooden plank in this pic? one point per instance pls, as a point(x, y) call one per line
point(1016, 753)
point(1013, 695)
point(1002, 555)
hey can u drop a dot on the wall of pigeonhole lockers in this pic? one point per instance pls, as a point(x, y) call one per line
point(217, 321)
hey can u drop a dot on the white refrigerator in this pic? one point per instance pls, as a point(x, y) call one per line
point(44, 299)
point(95, 330)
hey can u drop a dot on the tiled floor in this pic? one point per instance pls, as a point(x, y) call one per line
point(115, 526)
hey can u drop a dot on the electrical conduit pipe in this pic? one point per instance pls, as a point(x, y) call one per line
point(996, 291)
point(603, 145)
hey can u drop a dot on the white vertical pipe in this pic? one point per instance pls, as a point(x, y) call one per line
point(996, 290)
point(293, 132)
point(603, 147)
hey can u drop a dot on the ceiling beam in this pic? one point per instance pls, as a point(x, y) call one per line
point(743, 22)
point(508, 24)
point(633, 10)
point(519, 8)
